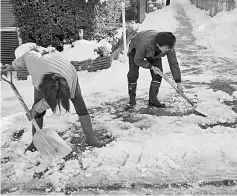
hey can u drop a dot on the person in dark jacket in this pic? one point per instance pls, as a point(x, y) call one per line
point(146, 50)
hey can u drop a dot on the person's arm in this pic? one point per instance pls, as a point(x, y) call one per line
point(18, 63)
point(5, 68)
point(139, 58)
point(175, 70)
point(174, 65)
point(39, 107)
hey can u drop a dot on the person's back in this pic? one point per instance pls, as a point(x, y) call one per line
point(39, 65)
point(56, 83)
point(143, 39)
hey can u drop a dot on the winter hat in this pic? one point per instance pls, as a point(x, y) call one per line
point(24, 48)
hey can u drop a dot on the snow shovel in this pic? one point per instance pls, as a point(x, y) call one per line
point(181, 94)
point(50, 145)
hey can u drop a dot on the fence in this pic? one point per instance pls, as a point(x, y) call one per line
point(215, 6)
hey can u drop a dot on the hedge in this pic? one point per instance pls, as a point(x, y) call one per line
point(56, 22)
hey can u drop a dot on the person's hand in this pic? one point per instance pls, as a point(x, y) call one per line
point(180, 87)
point(156, 70)
point(33, 113)
point(5, 68)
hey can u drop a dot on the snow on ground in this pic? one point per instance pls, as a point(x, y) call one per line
point(150, 149)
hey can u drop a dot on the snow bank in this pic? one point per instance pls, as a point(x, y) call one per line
point(157, 20)
point(215, 32)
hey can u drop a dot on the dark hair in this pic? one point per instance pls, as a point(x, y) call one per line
point(56, 92)
point(165, 39)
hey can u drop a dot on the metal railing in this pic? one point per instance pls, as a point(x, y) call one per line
point(215, 6)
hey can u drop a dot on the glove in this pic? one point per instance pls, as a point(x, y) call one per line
point(156, 70)
point(180, 87)
point(32, 114)
point(5, 68)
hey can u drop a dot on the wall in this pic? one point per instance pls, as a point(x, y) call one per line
point(142, 10)
point(215, 6)
point(9, 36)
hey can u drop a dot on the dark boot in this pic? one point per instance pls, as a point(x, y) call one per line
point(88, 131)
point(32, 147)
point(132, 88)
point(153, 92)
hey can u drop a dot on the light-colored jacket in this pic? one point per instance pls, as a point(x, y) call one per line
point(38, 65)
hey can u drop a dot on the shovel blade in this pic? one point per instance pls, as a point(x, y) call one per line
point(50, 145)
point(199, 112)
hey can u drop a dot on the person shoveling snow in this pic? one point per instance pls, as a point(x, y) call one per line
point(55, 81)
point(146, 50)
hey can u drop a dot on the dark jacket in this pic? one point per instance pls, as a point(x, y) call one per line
point(145, 47)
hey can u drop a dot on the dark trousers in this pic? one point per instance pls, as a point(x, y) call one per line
point(77, 101)
point(133, 73)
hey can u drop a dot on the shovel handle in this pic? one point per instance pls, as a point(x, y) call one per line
point(20, 99)
point(171, 83)
point(4, 79)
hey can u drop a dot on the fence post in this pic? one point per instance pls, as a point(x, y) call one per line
point(80, 34)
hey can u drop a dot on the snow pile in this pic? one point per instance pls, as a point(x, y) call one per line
point(214, 32)
point(209, 94)
point(106, 44)
point(155, 20)
point(234, 94)
point(218, 112)
point(81, 51)
point(84, 50)
point(212, 103)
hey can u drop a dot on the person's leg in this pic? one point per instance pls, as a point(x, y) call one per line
point(132, 76)
point(38, 118)
point(155, 84)
point(85, 118)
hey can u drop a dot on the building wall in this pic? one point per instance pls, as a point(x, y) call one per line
point(215, 6)
point(7, 18)
point(9, 36)
point(142, 10)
